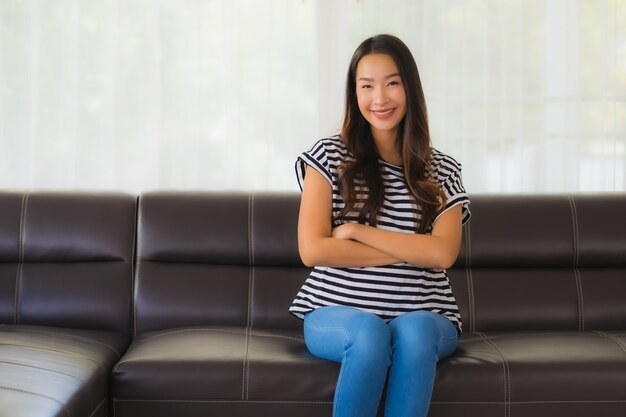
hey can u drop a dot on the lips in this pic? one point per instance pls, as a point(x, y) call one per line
point(383, 114)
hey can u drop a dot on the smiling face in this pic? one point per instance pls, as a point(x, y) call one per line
point(380, 94)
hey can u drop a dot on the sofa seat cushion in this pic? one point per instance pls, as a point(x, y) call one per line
point(521, 368)
point(223, 363)
point(48, 371)
point(488, 374)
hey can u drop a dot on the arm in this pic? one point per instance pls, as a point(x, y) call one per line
point(315, 242)
point(438, 250)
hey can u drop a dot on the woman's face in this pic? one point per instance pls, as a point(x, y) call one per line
point(380, 94)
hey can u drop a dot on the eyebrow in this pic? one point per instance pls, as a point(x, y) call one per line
point(395, 74)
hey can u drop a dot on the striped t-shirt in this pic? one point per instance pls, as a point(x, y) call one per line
point(391, 290)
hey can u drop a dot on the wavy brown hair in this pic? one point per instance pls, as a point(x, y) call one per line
point(413, 140)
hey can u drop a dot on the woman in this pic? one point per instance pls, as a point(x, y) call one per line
point(380, 220)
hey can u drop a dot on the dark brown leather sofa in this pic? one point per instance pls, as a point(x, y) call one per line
point(66, 269)
point(540, 281)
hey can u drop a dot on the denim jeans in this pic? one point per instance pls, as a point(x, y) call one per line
point(409, 346)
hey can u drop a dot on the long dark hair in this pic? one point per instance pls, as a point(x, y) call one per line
point(413, 138)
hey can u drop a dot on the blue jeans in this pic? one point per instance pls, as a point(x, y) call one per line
point(410, 346)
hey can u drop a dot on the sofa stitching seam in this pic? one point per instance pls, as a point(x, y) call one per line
point(250, 260)
point(134, 263)
point(246, 363)
point(30, 330)
point(248, 368)
point(37, 394)
point(581, 304)
point(468, 262)
point(277, 336)
point(64, 352)
point(615, 339)
point(97, 407)
point(41, 368)
point(507, 385)
point(468, 243)
point(20, 265)
point(18, 279)
point(248, 333)
point(581, 317)
point(330, 402)
point(473, 301)
point(211, 329)
point(135, 291)
point(244, 380)
point(130, 400)
point(138, 342)
point(473, 311)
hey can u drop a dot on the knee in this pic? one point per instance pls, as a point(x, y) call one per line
point(370, 339)
point(333, 332)
point(417, 331)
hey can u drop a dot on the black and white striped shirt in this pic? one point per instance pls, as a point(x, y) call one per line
point(391, 290)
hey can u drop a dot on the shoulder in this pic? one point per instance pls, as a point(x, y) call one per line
point(330, 151)
point(332, 145)
point(447, 174)
point(443, 165)
point(325, 156)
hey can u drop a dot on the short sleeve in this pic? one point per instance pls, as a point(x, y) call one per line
point(317, 158)
point(454, 190)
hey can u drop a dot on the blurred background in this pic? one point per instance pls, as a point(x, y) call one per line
point(134, 95)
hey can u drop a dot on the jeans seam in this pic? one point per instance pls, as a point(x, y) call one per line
point(344, 362)
point(454, 338)
point(342, 370)
point(388, 386)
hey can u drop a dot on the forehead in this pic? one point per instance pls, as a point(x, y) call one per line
point(376, 66)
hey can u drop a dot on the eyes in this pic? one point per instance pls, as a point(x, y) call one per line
point(389, 84)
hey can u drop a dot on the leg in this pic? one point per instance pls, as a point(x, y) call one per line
point(419, 340)
point(362, 343)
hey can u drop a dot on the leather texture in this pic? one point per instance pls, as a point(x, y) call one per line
point(66, 272)
point(49, 371)
point(67, 259)
point(540, 283)
point(544, 320)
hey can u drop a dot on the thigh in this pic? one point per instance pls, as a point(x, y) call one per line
point(328, 331)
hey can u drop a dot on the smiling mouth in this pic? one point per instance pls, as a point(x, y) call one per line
point(383, 114)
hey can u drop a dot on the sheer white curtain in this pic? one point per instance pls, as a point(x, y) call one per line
point(530, 95)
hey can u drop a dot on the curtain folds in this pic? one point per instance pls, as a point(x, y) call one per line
point(530, 96)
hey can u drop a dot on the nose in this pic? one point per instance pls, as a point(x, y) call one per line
point(380, 96)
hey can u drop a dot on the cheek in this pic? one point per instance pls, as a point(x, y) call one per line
point(363, 102)
point(400, 97)
point(403, 105)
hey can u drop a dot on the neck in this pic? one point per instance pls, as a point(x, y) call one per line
point(386, 144)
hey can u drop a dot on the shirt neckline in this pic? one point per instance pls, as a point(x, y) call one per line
point(390, 164)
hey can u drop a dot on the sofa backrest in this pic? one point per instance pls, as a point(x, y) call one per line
point(217, 258)
point(211, 258)
point(543, 263)
point(66, 259)
point(526, 262)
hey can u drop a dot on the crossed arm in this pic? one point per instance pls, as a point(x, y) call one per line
point(358, 245)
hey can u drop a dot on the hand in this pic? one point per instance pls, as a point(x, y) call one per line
point(344, 231)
